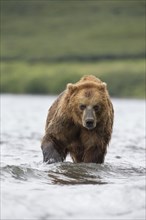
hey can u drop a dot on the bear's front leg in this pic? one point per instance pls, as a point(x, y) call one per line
point(94, 155)
point(50, 154)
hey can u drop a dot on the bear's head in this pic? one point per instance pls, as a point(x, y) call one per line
point(88, 102)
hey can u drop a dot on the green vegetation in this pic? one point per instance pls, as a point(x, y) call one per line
point(46, 44)
point(49, 29)
point(124, 78)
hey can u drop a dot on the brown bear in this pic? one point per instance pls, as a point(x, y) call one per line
point(79, 122)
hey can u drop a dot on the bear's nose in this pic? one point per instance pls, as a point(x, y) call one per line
point(89, 123)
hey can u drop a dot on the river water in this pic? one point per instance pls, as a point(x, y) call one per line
point(33, 190)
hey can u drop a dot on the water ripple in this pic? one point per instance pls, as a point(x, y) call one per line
point(71, 174)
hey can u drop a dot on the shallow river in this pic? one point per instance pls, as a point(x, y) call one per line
point(33, 190)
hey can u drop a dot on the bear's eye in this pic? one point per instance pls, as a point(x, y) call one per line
point(96, 107)
point(82, 107)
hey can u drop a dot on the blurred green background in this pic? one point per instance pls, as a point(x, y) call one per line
point(46, 44)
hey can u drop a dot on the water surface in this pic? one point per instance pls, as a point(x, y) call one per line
point(33, 190)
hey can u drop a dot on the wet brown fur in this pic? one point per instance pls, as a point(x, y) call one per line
point(64, 129)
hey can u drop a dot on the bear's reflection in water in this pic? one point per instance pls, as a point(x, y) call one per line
point(76, 173)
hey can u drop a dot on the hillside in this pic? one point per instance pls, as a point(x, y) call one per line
point(52, 29)
point(45, 44)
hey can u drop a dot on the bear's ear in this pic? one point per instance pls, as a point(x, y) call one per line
point(103, 86)
point(71, 87)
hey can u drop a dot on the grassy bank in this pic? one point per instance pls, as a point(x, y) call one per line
point(124, 78)
point(46, 44)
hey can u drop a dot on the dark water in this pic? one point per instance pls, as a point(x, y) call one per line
point(33, 190)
